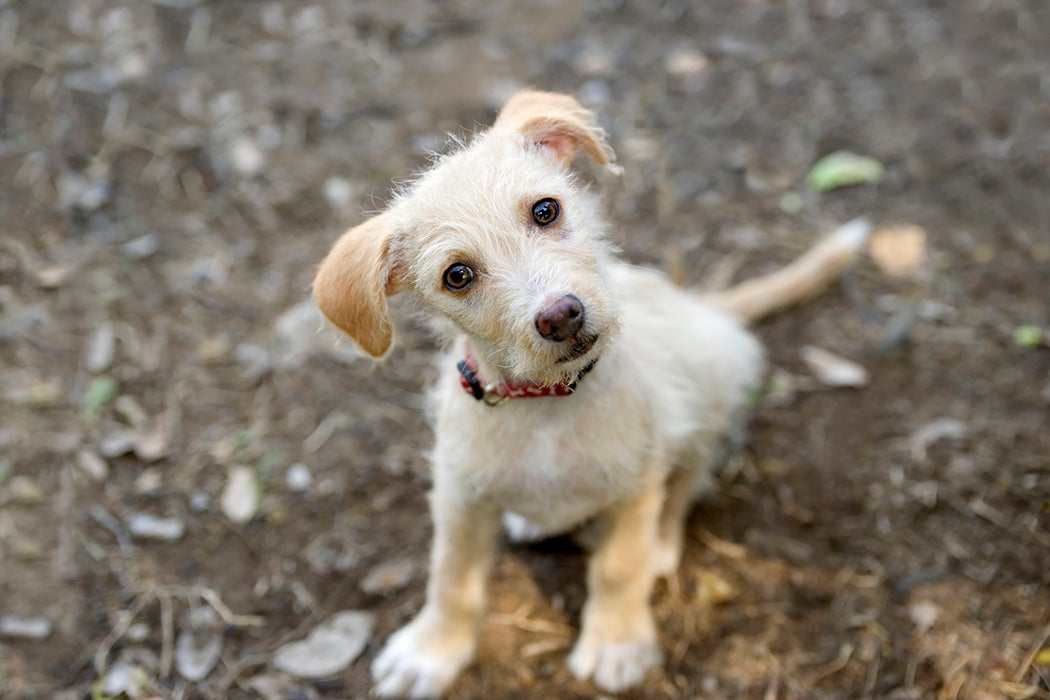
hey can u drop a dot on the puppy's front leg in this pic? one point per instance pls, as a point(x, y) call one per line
point(617, 644)
point(421, 659)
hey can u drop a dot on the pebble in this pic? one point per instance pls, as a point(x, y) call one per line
point(199, 645)
point(199, 501)
point(240, 497)
point(16, 627)
point(24, 490)
point(833, 370)
point(91, 464)
point(101, 347)
point(142, 247)
point(117, 443)
point(388, 576)
point(151, 527)
point(298, 478)
point(338, 192)
point(246, 156)
point(686, 63)
point(329, 648)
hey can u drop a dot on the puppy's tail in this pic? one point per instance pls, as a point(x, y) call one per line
point(801, 279)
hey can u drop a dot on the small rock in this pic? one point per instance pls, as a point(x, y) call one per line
point(152, 444)
point(151, 527)
point(246, 156)
point(142, 247)
point(116, 443)
point(137, 633)
point(16, 627)
point(686, 63)
point(199, 645)
point(148, 482)
point(833, 370)
point(388, 576)
point(53, 276)
point(240, 497)
point(129, 408)
point(101, 346)
point(298, 477)
point(329, 648)
point(25, 490)
point(91, 464)
point(338, 192)
point(199, 502)
point(122, 677)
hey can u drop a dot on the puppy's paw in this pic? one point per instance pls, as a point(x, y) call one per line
point(421, 660)
point(614, 666)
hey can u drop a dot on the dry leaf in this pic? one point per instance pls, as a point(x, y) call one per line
point(899, 251)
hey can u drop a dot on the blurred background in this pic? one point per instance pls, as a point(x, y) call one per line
point(193, 478)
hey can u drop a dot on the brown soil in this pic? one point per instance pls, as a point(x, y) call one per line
point(175, 169)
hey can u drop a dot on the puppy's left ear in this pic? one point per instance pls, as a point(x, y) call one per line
point(558, 123)
point(354, 280)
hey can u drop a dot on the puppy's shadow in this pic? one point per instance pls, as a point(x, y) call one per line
point(558, 566)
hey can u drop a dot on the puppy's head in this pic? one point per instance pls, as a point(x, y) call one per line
point(499, 239)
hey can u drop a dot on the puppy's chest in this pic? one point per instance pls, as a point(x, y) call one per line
point(555, 469)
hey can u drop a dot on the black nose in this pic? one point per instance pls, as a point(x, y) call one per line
point(561, 320)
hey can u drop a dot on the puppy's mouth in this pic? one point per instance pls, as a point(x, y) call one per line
point(579, 347)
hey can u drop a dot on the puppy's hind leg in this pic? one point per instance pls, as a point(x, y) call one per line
point(670, 535)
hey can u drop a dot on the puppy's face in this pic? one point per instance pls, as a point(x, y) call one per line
point(497, 238)
point(500, 240)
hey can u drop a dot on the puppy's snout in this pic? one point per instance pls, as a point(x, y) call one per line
point(561, 320)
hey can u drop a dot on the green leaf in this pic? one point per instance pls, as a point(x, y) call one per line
point(1028, 336)
point(841, 169)
point(101, 391)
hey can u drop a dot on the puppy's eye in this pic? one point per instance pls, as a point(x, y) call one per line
point(458, 277)
point(545, 211)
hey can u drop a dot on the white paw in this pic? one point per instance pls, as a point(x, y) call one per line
point(614, 667)
point(521, 530)
point(421, 661)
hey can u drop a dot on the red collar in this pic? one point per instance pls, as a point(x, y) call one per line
point(496, 394)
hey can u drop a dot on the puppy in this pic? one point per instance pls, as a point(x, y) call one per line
point(576, 387)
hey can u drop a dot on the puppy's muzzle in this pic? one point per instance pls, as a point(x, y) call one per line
point(561, 320)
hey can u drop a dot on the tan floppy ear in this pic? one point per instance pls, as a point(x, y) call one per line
point(557, 122)
point(353, 282)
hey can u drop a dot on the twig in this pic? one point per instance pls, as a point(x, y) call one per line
point(166, 633)
point(235, 671)
point(836, 664)
point(101, 516)
point(1029, 658)
point(212, 598)
point(126, 618)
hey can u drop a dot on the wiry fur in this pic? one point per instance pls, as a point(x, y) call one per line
point(630, 449)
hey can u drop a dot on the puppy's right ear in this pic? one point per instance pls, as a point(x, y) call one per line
point(557, 123)
point(354, 280)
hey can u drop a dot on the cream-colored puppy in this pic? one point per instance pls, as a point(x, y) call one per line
point(576, 387)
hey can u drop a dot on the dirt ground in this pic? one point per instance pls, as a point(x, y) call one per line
point(172, 171)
